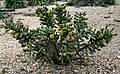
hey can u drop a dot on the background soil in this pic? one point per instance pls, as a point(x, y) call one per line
point(107, 61)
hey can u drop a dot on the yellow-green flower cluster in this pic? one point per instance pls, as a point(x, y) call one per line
point(48, 11)
point(51, 36)
point(84, 17)
point(103, 40)
point(70, 36)
point(101, 35)
point(61, 32)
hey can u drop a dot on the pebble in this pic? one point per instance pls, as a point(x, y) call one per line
point(35, 64)
point(110, 13)
point(76, 71)
point(113, 70)
point(118, 57)
point(107, 17)
point(117, 20)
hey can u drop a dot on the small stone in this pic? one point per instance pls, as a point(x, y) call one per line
point(110, 13)
point(10, 66)
point(29, 10)
point(46, 69)
point(76, 71)
point(117, 20)
point(98, 70)
point(107, 17)
point(113, 70)
point(118, 57)
point(35, 64)
point(115, 44)
point(1, 25)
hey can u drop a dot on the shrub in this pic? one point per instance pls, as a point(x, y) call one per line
point(40, 2)
point(85, 2)
point(91, 2)
point(33, 2)
point(1, 15)
point(110, 2)
point(61, 38)
point(15, 3)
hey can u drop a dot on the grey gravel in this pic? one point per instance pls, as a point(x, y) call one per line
point(107, 61)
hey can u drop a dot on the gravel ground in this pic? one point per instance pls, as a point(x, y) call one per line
point(107, 61)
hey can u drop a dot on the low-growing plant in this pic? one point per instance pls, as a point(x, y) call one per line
point(1, 71)
point(85, 2)
point(110, 2)
point(1, 15)
point(62, 38)
point(40, 2)
point(33, 2)
point(15, 3)
point(91, 2)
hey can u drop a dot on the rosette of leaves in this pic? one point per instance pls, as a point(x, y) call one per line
point(62, 37)
point(15, 3)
